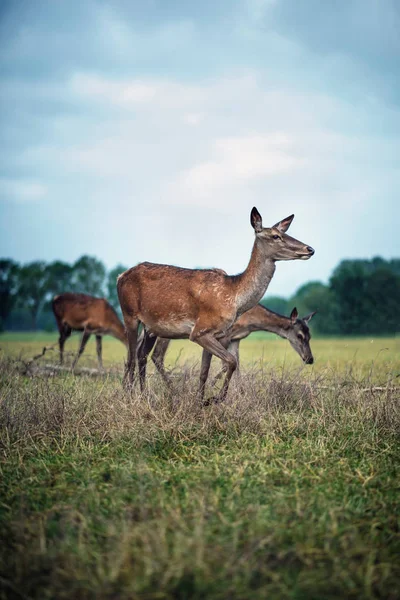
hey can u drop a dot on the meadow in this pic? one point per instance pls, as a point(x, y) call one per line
point(289, 489)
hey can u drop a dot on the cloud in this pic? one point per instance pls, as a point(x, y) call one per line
point(157, 126)
point(21, 191)
point(356, 43)
point(192, 118)
point(118, 93)
point(236, 160)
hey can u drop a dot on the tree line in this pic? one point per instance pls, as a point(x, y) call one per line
point(362, 296)
point(26, 290)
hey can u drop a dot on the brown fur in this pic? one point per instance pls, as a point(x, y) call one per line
point(257, 318)
point(201, 304)
point(80, 312)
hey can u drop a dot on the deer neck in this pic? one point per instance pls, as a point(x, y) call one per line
point(118, 331)
point(270, 321)
point(252, 284)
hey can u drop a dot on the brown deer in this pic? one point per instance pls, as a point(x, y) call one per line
point(80, 312)
point(201, 304)
point(258, 318)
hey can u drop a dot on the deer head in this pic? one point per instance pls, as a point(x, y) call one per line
point(299, 336)
point(276, 244)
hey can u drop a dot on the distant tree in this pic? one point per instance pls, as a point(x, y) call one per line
point(276, 303)
point(375, 263)
point(33, 288)
point(8, 288)
point(59, 277)
point(315, 296)
point(112, 285)
point(363, 296)
point(367, 294)
point(88, 276)
point(382, 292)
point(348, 283)
point(394, 265)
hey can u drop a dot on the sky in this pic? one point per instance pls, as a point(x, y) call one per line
point(137, 131)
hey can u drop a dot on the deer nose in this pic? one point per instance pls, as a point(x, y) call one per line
point(309, 360)
point(310, 250)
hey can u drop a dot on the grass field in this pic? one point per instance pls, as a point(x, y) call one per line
point(361, 358)
point(287, 490)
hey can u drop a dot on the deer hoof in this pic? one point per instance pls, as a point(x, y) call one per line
point(212, 400)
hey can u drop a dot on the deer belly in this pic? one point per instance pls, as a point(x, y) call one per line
point(172, 329)
point(78, 324)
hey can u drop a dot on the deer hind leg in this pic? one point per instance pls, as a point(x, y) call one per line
point(226, 344)
point(84, 341)
point(145, 346)
point(233, 348)
point(205, 368)
point(158, 358)
point(98, 349)
point(64, 331)
point(132, 328)
point(213, 346)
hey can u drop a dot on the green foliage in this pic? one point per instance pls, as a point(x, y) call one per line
point(277, 304)
point(8, 288)
point(394, 265)
point(112, 285)
point(367, 296)
point(59, 277)
point(88, 276)
point(315, 296)
point(32, 288)
point(362, 297)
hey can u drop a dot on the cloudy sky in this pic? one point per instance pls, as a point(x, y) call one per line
point(146, 130)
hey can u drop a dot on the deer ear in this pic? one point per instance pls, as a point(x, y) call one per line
point(309, 317)
point(256, 220)
point(284, 225)
point(293, 315)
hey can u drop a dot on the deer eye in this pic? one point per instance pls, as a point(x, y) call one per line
point(276, 237)
point(300, 336)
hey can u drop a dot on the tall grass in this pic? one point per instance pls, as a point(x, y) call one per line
point(287, 490)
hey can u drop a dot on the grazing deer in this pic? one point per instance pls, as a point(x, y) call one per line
point(201, 304)
point(80, 312)
point(258, 318)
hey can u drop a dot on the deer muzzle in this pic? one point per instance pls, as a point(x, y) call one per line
point(306, 253)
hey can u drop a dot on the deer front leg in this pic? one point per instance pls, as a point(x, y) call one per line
point(145, 347)
point(84, 341)
point(65, 332)
point(214, 346)
point(132, 327)
point(205, 368)
point(98, 349)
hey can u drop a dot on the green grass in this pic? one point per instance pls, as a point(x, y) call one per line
point(359, 357)
point(288, 490)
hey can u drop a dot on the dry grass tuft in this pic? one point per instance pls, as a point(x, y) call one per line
point(257, 403)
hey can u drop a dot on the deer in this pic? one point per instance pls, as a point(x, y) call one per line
point(81, 312)
point(200, 304)
point(258, 318)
